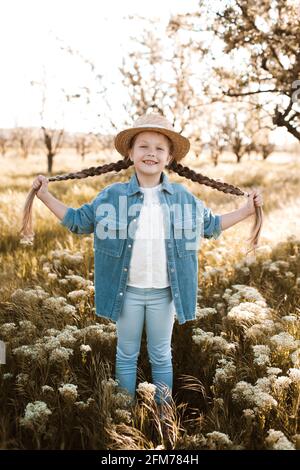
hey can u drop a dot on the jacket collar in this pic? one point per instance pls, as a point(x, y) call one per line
point(134, 187)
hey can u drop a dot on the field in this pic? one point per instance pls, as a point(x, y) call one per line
point(236, 367)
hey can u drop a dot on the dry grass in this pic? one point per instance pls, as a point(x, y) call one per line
point(226, 396)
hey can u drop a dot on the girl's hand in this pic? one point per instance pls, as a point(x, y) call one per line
point(255, 199)
point(40, 184)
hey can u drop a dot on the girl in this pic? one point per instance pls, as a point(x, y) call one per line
point(146, 237)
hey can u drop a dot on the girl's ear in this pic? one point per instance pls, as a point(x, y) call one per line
point(129, 155)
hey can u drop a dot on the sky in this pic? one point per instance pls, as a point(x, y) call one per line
point(31, 34)
point(30, 51)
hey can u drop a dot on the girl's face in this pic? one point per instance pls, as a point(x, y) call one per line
point(150, 153)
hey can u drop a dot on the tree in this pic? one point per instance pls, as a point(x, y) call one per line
point(24, 139)
point(83, 144)
point(4, 141)
point(159, 76)
point(268, 34)
point(234, 131)
point(53, 140)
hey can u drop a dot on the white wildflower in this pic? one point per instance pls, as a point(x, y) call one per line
point(282, 383)
point(225, 372)
point(47, 389)
point(110, 383)
point(27, 327)
point(78, 281)
point(243, 294)
point(273, 370)
point(264, 402)
point(294, 375)
point(8, 376)
point(77, 295)
point(289, 275)
point(71, 328)
point(69, 392)
point(284, 341)
point(261, 354)
point(207, 340)
point(66, 338)
point(97, 333)
point(85, 406)
point(205, 312)
point(147, 388)
point(218, 440)
point(59, 306)
point(34, 352)
point(49, 343)
point(264, 384)
point(249, 414)
point(60, 355)
point(295, 358)
point(259, 330)
point(291, 319)
point(8, 330)
point(248, 312)
point(276, 440)
point(253, 395)
point(122, 399)
point(122, 416)
point(52, 332)
point(36, 416)
point(29, 297)
point(85, 348)
point(52, 276)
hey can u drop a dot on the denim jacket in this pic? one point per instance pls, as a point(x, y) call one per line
point(113, 216)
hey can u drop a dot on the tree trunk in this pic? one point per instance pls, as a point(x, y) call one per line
point(50, 162)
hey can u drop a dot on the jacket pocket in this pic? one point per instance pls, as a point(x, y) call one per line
point(110, 235)
point(185, 232)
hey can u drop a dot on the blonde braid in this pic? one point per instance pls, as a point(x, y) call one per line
point(26, 230)
point(225, 188)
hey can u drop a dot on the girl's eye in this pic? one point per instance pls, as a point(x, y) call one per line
point(144, 146)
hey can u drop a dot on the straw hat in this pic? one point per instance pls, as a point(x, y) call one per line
point(152, 122)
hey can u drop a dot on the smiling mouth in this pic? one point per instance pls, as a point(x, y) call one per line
point(149, 162)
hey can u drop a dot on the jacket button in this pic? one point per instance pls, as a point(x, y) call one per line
point(125, 269)
point(134, 220)
point(129, 246)
point(176, 295)
point(169, 245)
point(172, 270)
point(121, 293)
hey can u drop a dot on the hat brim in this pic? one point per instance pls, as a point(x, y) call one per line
point(181, 144)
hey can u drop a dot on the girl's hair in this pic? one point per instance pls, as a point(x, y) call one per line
point(27, 229)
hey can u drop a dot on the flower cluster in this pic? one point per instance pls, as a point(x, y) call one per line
point(208, 341)
point(36, 416)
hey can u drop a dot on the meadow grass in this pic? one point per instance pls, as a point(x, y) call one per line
point(236, 366)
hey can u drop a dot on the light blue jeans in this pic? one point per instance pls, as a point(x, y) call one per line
point(155, 308)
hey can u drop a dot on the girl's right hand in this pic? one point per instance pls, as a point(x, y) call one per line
point(40, 184)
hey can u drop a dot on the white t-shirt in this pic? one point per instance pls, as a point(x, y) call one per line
point(148, 265)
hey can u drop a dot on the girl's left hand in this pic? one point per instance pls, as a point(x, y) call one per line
point(255, 199)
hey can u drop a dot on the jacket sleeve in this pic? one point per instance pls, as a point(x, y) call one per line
point(212, 224)
point(80, 220)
